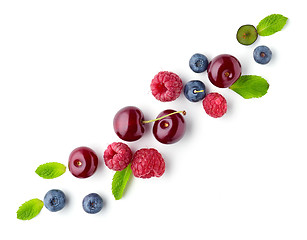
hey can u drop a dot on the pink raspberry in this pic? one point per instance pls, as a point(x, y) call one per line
point(117, 156)
point(166, 86)
point(147, 163)
point(215, 105)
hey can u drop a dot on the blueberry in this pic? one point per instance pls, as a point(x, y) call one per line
point(198, 63)
point(247, 34)
point(262, 54)
point(92, 203)
point(54, 200)
point(194, 90)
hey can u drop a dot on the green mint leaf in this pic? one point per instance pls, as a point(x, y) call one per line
point(30, 209)
point(271, 24)
point(50, 170)
point(250, 86)
point(119, 182)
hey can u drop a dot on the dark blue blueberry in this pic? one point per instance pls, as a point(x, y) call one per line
point(195, 90)
point(92, 203)
point(198, 63)
point(262, 54)
point(54, 200)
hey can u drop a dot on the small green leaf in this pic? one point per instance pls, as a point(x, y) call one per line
point(119, 182)
point(30, 209)
point(271, 24)
point(50, 170)
point(250, 86)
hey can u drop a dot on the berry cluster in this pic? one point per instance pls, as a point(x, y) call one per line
point(55, 200)
point(224, 71)
point(145, 163)
point(247, 35)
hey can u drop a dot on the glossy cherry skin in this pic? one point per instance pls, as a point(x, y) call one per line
point(224, 70)
point(169, 129)
point(128, 123)
point(82, 162)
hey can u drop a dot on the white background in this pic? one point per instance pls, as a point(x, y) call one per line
point(66, 67)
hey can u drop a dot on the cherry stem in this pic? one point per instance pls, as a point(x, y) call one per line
point(157, 119)
point(198, 91)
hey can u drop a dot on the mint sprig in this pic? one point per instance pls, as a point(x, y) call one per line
point(50, 170)
point(271, 24)
point(30, 209)
point(119, 182)
point(250, 86)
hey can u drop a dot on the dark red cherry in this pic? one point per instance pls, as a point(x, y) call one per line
point(224, 70)
point(82, 162)
point(128, 123)
point(169, 129)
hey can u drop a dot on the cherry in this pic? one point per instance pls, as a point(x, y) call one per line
point(169, 126)
point(128, 123)
point(224, 70)
point(82, 162)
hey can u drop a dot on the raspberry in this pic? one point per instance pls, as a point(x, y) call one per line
point(166, 86)
point(147, 163)
point(117, 156)
point(215, 105)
